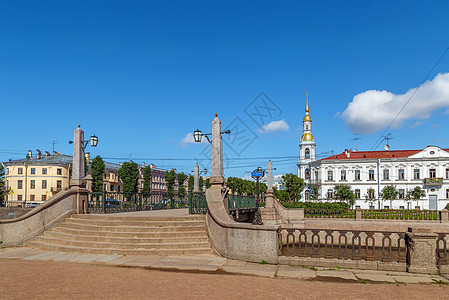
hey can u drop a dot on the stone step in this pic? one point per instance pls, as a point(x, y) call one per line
point(128, 240)
point(114, 217)
point(159, 252)
point(130, 246)
point(125, 234)
point(146, 223)
point(133, 228)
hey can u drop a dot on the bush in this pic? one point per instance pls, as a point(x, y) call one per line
point(447, 206)
point(316, 205)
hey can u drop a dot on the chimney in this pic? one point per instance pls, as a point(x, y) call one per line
point(38, 154)
point(29, 154)
point(47, 153)
point(87, 157)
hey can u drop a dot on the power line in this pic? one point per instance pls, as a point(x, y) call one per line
point(409, 99)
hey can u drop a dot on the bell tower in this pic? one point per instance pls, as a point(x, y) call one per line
point(306, 145)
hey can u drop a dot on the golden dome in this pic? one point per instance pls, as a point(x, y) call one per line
point(307, 118)
point(307, 137)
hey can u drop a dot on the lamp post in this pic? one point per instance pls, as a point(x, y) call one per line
point(257, 174)
point(93, 141)
point(198, 135)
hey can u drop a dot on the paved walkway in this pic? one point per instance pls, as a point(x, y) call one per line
point(219, 265)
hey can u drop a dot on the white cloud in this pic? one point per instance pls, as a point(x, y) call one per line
point(188, 139)
point(274, 126)
point(372, 110)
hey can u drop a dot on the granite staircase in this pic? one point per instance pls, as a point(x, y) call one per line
point(108, 234)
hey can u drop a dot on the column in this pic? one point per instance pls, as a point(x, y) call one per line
point(217, 179)
point(196, 179)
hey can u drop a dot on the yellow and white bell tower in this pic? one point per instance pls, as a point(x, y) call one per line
point(306, 146)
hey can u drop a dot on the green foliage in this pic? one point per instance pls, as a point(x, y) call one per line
point(129, 173)
point(2, 184)
point(86, 167)
point(417, 193)
point(370, 195)
point(170, 178)
point(208, 185)
point(97, 169)
point(240, 186)
point(201, 183)
point(316, 205)
point(190, 183)
point(146, 179)
point(389, 193)
point(314, 193)
point(181, 188)
point(293, 187)
point(344, 192)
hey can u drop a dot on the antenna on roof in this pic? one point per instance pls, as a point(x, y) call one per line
point(387, 137)
point(54, 142)
point(355, 139)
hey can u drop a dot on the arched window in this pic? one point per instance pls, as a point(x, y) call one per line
point(307, 174)
point(307, 127)
point(307, 153)
point(307, 195)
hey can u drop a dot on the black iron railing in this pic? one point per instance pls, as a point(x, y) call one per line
point(110, 202)
point(197, 203)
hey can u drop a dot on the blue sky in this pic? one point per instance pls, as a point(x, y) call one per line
point(141, 75)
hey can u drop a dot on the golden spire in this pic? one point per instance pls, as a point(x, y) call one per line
point(307, 101)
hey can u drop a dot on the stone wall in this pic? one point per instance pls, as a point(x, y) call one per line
point(7, 213)
point(17, 231)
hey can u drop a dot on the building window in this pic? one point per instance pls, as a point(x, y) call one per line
point(307, 153)
point(19, 184)
point(330, 194)
point(401, 174)
point(357, 175)
point(386, 207)
point(118, 189)
point(59, 171)
point(19, 171)
point(112, 188)
point(447, 193)
point(307, 173)
point(447, 173)
point(357, 193)
point(44, 171)
point(330, 175)
point(432, 173)
point(307, 195)
point(371, 175)
point(33, 184)
point(343, 175)
point(44, 184)
point(59, 184)
point(44, 197)
point(105, 187)
point(19, 197)
point(401, 194)
point(386, 174)
point(33, 171)
point(32, 198)
point(416, 174)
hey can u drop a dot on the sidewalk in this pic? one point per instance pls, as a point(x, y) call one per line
point(213, 264)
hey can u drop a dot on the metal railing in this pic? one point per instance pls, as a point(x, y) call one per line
point(197, 203)
point(110, 202)
point(329, 213)
point(401, 214)
point(343, 244)
point(241, 202)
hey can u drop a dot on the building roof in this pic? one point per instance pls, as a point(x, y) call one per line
point(55, 159)
point(374, 154)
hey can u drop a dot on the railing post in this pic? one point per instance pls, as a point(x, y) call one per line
point(444, 216)
point(421, 247)
point(103, 202)
point(140, 201)
point(358, 214)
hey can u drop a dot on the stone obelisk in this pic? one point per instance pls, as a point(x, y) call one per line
point(217, 179)
point(196, 179)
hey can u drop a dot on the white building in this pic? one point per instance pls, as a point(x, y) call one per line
point(361, 170)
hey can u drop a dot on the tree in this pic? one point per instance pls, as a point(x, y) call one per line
point(293, 186)
point(314, 193)
point(181, 188)
point(190, 183)
point(370, 196)
point(2, 184)
point(146, 179)
point(208, 185)
point(97, 169)
point(344, 192)
point(129, 173)
point(417, 193)
point(200, 183)
point(170, 178)
point(389, 193)
point(86, 167)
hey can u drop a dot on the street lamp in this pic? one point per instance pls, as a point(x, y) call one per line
point(257, 174)
point(198, 135)
point(93, 141)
